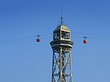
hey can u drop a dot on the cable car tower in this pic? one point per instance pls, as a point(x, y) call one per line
point(61, 46)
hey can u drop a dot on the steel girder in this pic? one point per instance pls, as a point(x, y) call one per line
point(62, 67)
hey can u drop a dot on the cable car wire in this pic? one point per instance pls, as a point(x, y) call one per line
point(23, 38)
point(90, 37)
point(89, 34)
point(11, 42)
point(43, 36)
point(17, 39)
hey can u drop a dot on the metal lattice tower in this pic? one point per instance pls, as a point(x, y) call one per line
point(61, 46)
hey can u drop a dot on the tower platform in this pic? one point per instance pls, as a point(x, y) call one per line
point(63, 43)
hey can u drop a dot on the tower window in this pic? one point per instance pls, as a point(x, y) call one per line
point(56, 36)
point(65, 35)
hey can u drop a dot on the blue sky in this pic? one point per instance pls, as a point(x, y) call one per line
point(22, 59)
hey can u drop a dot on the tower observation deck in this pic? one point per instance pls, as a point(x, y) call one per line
point(61, 46)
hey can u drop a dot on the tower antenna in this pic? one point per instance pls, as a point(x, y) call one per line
point(61, 18)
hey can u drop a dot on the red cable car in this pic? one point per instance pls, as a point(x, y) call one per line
point(85, 41)
point(38, 40)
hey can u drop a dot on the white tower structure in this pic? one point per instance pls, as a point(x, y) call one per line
point(61, 46)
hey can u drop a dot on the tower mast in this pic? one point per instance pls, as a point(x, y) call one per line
point(61, 46)
point(61, 19)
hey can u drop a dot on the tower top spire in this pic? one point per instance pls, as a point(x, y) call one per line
point(61, 18)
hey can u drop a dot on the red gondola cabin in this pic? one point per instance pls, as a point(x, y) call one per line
point(38, 40)
point(85, 41)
